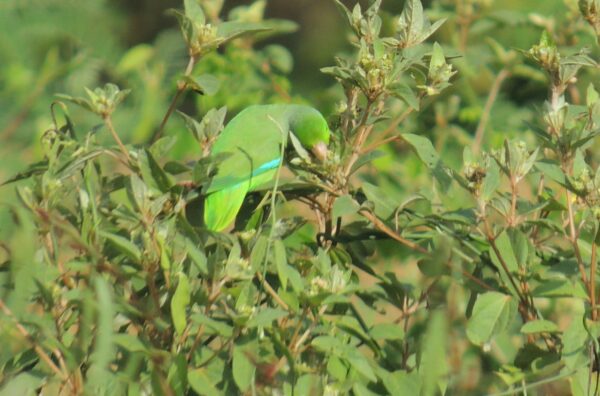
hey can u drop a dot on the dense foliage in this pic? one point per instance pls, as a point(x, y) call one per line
point(413, 260)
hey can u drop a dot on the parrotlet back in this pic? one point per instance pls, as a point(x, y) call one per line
point(252, 141)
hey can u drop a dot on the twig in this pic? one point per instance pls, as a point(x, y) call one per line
point(272, 292)
point(506, 269)
point(181, 86)
point(213, 296)
point(276, 86)
point(363, 132)
point(492, 96)
point(380, 143)
point(108, 122)
point(381, 226)
point(397, 121)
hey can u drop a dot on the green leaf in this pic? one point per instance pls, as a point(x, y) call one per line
point(197, 256)
point(280, 58)
point(165, 256)
point(360, 363)
point(402, 91)
point(426, 152)
point(243, 369)
point(413, 26)
point(505, 247)
point(24, 384)
point(401, 383)
point(209, 127)
point(336, 368)
point(491, 182)
point(123, 245)
point(189, 29)
point(367, 158)
point(234, 29)
point(552, 170)
point(560, 288)
point(411, 23)
point(492, 313)
point(103, 353)
point(152, 173)
point(328, 344)
point(387, 331)
point(591, 95)
point(135, 58)
point(308, 385)
point(344, 205)
point(433, 365)
point(204, 84)
point(266, 317)
point(180, 302)
point(299, 148)
point(194, 11)
point(77, 164)
point(259, 253)
point(384, 206)
point(575, 340)
point(359, 389)
point(177, 374)
point(345, 10)
point(281, 262)
point(201, 383)
point(437, 59)
point(130, 343)
point(216, 326)
point(33, 169)
point(539, 326)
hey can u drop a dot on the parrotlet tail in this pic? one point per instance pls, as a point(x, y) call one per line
point(221, 207)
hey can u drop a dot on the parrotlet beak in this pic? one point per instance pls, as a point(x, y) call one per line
point(320, 151)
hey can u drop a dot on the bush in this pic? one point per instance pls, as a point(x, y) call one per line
point(387, 268)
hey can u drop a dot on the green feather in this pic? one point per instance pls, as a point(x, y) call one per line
point(252, 141)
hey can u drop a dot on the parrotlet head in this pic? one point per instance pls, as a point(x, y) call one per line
point(310, 127)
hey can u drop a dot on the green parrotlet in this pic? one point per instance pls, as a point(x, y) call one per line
point(252, 140)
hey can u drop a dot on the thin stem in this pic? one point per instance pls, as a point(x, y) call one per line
point(181, 86)
point(492, 241)
point(381, 226)
point(276, 86)
point(215, 293)
point(391, 128)
point(272, 292)
point(487, 109)
point(361, 136)
point(297, 329)
point(465, 17)
point(108, 122)
point(379, 143)
point(506, 269)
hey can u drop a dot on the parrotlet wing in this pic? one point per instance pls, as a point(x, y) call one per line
point(221, 207)
point(252, 141)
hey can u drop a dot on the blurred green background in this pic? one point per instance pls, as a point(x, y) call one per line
point(62, 46)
